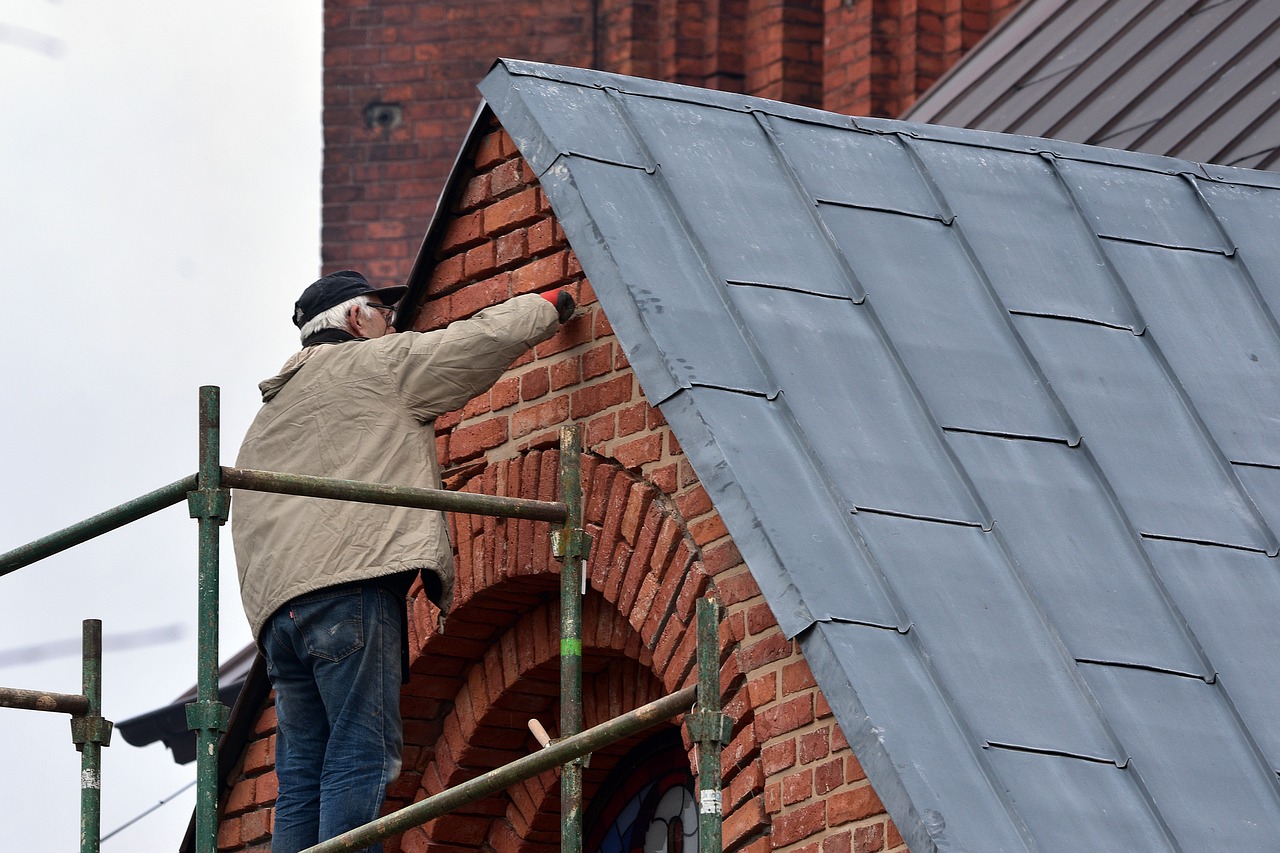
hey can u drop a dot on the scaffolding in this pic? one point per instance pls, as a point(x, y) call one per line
point(208, 498)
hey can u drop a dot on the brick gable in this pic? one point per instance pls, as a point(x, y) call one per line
point(790, 780)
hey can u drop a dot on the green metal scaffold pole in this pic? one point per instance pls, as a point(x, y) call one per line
point(210, 504)
point(573, 549)
point(91, 733)
point(89, 730)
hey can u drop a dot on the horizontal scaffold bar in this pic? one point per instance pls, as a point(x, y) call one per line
point(97, 525)
point(378, 493)
point(554, 754)
point(39, 700)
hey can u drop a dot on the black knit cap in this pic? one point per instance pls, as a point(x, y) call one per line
point(336, 288)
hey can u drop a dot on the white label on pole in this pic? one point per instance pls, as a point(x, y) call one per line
point(710, 802)
point(88, 779)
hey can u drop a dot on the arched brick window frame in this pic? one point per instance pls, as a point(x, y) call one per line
point(496, 665)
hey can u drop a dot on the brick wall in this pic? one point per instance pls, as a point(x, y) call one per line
point(400, 78)
point(791, 782)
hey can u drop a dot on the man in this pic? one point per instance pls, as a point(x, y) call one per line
point(323, 582)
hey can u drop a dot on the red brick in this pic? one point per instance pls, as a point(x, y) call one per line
point(540, 274)
point(893, 838)
point(550, 413)
point(600, 396)
point(742, 823)
point(462, 233)
point(242, 797)
point(773, 798)
point(519, 209)
point(600, 430)
point(260, 755)
point(505, 392)
point(637, 452)
point(841, 842)
point(784, 718)
point(776, 757)
point(632, 419)
point(763, 689)
point(737, 587)
point(542, 237)
point(814, 746)
point(535, 383)
point(511, 248)
point(829, 776)
point(597, 361)
point(229, 833)
point(856, 804)
point(266, 723)
point(796, 677)
point(267, 788)
point(868, 839)
point(795, 825)
point(797, 787)
point(480, 261)
point(255, 826)
point(470, 441)
point(564, 373)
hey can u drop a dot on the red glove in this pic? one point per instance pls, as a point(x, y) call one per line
point(565, 306)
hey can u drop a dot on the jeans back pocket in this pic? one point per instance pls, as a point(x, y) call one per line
point(332, 625)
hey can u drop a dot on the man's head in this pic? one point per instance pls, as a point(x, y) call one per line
point(346, 300)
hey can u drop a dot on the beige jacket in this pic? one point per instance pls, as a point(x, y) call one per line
point(364, 410)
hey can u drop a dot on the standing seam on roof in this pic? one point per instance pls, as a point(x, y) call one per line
point(1153, 346)
point(1073, 435)
point(1210, 81)
point(1241, 264)
point(867, 306)
point(1050, 55)
point(1023, 581)
point(1152, 84)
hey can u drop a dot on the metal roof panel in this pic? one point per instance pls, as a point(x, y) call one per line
point(873, 676)
point(1051, 505)
point(1136, 422)
point(1208, 782)
point(1026, 231)
point(786, 493)
point(1058, 798)
point(1230, 599)
point(1207, 319)
point(684, 306)
point(954, 588)
point(953, 335)
point(881, 447)
point(962, 593)
point(1149, 74)
point(1143, 207)
point(754, 223)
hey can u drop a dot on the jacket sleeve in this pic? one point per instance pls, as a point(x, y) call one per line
point(440, 371)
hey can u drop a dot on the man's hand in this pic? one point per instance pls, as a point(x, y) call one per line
point(565, 306)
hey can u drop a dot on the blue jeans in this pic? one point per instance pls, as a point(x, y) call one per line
point(333, 657)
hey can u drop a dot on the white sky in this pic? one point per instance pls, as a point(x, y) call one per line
point(159, 214)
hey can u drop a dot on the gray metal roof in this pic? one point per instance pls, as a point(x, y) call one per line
point(1188, 78)
point(992, 420)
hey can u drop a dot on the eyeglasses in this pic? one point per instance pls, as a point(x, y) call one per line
point(388, 311)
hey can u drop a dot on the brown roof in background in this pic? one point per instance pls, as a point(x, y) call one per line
point(1198, 79)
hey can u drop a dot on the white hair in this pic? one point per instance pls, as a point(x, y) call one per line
point(336, 317)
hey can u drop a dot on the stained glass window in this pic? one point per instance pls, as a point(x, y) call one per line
point(647, 805)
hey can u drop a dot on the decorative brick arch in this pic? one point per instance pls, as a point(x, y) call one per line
point(496, 664)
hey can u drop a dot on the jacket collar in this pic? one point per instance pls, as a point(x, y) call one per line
point(330, 336)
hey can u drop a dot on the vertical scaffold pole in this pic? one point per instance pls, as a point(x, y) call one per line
point(572, 546)
point(210, 504)
point(709, 727)
point(90, 733)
